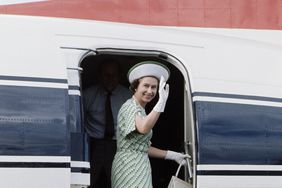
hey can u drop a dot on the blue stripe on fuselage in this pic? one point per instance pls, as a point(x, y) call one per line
point(33, 121)
point(238, 133)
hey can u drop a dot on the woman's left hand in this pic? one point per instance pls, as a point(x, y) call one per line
point(180, 158)
point(163, 95)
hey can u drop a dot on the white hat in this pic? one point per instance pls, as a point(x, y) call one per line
point(148, 68)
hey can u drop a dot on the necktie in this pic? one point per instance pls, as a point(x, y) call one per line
point(109, 130)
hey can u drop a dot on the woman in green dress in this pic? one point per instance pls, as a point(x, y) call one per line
point(131, 166)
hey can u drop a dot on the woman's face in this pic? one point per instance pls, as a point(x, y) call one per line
point(146, 90)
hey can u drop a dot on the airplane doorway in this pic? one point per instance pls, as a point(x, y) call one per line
point(168, 133)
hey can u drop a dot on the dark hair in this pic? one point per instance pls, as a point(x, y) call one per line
point(133, 86)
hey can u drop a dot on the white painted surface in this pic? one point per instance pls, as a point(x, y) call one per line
point(11, 2)
point(55, 159)
point(35, 177)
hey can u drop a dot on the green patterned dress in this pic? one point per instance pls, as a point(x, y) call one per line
point(131, 166)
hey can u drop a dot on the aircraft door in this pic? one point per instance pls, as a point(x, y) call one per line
point(80, 168)
point(189, 137)
point(188, 132)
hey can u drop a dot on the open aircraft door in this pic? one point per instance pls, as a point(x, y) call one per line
point(189, 123)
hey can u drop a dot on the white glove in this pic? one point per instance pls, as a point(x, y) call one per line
point(163, 95)
point(177, 157)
